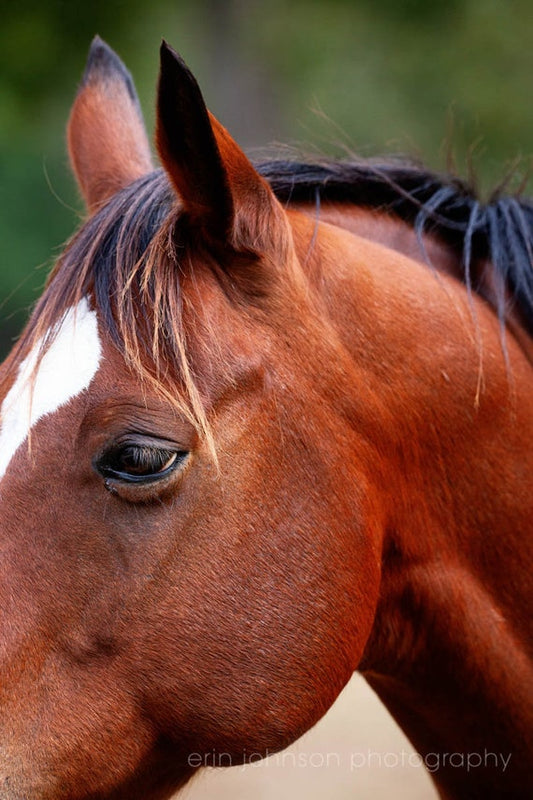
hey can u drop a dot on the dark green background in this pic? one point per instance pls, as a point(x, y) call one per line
point(449, 82)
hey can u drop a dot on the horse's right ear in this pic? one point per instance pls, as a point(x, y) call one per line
point(107, 141)
point(221, 192)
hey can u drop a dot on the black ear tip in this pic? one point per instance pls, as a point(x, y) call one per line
point(170, 59)
point(98, 42)
point(104, 64)
point(101, 56)
point(166, 52)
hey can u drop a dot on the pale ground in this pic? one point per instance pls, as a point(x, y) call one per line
point(356, 752)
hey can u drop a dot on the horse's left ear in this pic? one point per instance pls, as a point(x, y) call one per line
point(107, 141)
point(221, 192)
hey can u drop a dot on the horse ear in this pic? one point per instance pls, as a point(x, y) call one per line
point(107, 141)
point(221, 191)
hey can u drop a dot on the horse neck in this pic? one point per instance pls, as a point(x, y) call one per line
point(400, 236)
point(449, 653)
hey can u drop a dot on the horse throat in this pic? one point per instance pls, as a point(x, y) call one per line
point(452, 671)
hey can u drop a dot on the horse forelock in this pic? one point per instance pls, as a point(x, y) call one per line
point(125, 262)
point(128, 261)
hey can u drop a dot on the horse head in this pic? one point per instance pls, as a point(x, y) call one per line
point(190, 562)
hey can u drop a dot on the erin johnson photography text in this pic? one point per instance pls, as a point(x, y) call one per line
point(357, 760)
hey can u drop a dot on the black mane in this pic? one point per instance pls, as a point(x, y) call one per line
point(116, 240)
point(500, 231)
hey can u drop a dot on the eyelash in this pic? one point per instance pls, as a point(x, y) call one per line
point(135, 462)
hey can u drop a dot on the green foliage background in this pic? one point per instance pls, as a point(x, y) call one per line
point(436, 79)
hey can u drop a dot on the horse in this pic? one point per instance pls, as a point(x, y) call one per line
point(268, 424)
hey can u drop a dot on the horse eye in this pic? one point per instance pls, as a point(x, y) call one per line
point(136, 463)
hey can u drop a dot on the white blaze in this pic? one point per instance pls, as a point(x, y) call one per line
point(65, 370)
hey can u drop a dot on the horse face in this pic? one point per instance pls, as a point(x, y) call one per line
point(208, 605)
point(169, 593)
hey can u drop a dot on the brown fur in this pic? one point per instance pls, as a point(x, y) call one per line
point(370, 507)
